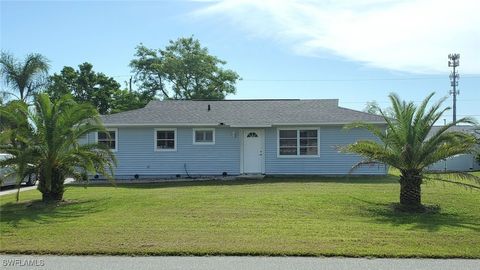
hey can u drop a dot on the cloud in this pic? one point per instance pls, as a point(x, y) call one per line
point(410, 35)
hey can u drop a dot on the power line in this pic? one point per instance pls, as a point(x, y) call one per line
point(354, 79)
point(336, 80)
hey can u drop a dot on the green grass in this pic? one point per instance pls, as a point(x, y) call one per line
point(300, 217)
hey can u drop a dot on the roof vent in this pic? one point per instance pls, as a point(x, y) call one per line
point(208, 107)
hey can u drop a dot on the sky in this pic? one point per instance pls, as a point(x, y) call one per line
point(356, 51)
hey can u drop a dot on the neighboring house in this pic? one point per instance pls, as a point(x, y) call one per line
point(465, 162)
point(234, 137)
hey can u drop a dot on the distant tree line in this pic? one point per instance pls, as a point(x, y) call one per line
point(182, 70)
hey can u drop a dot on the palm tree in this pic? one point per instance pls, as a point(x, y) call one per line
point(53, 143)
point(15, 134)
point(25, 77)
point(409, 146)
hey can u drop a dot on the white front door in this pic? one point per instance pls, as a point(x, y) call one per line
point(253, 150)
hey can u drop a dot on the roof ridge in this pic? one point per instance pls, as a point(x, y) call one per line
point(155, 103)
point(260, 99)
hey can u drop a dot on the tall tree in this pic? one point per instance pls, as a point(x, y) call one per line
point(3, 97)
point(372, 107)
point(85, 85)
point(183, 70)
point(25, 77)
point(410, 146)
point(52, 138)
point(125, 100)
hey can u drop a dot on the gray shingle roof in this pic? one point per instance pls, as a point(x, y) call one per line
point(240, 113)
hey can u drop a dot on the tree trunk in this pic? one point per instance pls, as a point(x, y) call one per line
point(52, 196)
point(410, 190)
point(55, 193)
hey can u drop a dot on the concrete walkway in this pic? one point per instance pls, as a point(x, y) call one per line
point(13, 189)
point(228, 263)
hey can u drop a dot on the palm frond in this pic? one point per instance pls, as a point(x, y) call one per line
point(373, 151)
point(25, 77)
point(363, 163)
point(47, 136)
point(408, 143)
point(466, 185)
point(454, 176)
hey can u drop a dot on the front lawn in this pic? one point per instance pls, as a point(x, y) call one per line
point(305, 217)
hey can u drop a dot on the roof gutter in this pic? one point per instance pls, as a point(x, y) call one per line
point(233, 126)
point(250, 126)
point(163, 125)
point(327, 123)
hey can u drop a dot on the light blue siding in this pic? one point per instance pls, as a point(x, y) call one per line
point(330, 161)
point(136, 154)
point(457, 163)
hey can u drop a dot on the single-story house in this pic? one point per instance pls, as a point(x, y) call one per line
point(465, 162)
point(233, 137)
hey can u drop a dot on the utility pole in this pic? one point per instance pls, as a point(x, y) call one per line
point(454, 61)
point(130, 84)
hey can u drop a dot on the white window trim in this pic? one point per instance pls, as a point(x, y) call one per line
point(116, 138)
point(204, 129)
point(155, 140)
point(298, 142)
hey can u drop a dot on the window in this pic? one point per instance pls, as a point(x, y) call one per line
point(204, 136)
point(298, 142)
point(308, 142)
point(165, 139)
point(288, 142)
point(108, 138)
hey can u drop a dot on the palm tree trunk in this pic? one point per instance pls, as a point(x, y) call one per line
point(410, 190)
point(52, 197)
point(56, 190)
